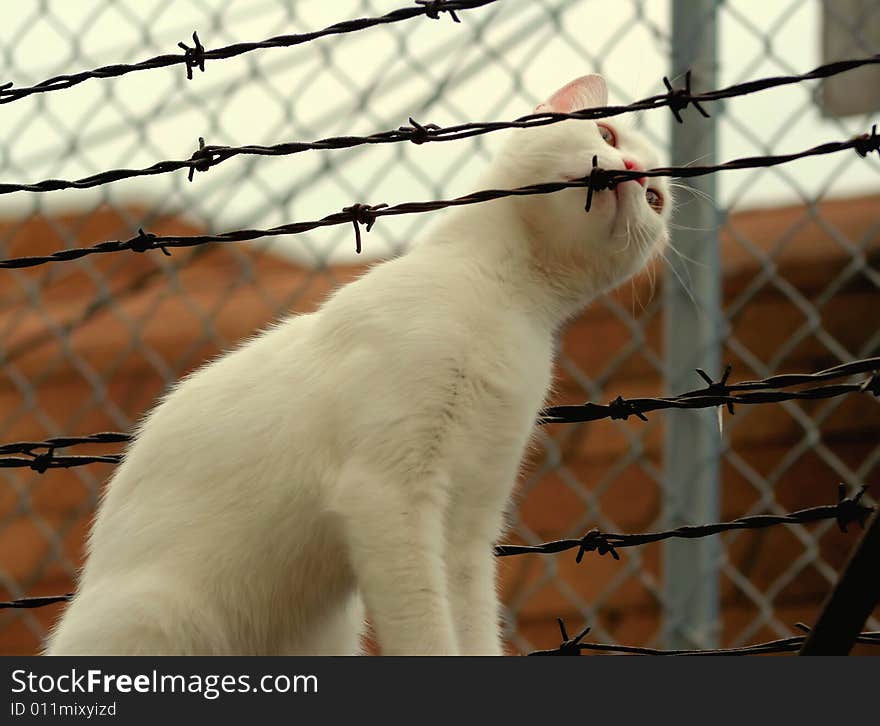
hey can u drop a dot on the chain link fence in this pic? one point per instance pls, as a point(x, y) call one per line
point(88, 345)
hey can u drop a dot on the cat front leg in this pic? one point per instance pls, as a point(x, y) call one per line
point(475, 522)
point(475, 606)
point(394, 531)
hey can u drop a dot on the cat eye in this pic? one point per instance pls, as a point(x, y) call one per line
point(655, 200)
point(607, 135)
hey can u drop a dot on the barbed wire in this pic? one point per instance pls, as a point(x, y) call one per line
point(575, 646)
point(721, 393)
point(40, 456)
point(716, 393)
point(837, 629)
point(60, 442)
point(209, 156)
point(196, 56)
point(366, 215)
point(846, 511)
point(42, 461)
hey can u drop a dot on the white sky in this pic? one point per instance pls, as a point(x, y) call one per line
point(500, 69)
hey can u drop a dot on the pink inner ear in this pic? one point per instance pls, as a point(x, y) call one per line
point(584, 92)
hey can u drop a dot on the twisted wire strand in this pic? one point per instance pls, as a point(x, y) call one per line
point(846, 511)
point(714, 394)
point(209, 156)
point(364, 214)
point(196, 56)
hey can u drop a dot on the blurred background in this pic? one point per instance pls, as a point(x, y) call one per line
point(776, 270)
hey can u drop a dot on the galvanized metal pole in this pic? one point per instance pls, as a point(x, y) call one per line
point(693, 329)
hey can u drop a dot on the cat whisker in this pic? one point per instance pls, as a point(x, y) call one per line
point(643, 239)
point(628, 238)
point(685, 228)
point(699, 158)
point(636, 298)
point(684, 286)
point(696, 192)
point(685, 257)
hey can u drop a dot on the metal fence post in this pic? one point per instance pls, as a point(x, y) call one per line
point(692, 333)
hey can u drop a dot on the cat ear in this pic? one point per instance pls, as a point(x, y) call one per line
point(584, 92)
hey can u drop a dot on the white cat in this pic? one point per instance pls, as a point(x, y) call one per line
point(367, 451)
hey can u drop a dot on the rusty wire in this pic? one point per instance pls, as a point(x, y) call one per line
point(41, 461)
point(846, 511)
point(40, 455)
point(722, 393)
point(195, 56)
point(207, 156)
point(365, 214)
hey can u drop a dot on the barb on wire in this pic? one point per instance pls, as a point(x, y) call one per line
point(568, 646)
point(433, 8)
point(201, 160)
point(713, 387)
point(681, 98)
point(598, 179)
point(416, 132)
point(676, 99)
point(846, 511)
point(722, 393)
point(362, 214)
point(61, 442)
point(193, 57)
point(42, 456)
point(196, 56)
point(574, 646)
point(866, 143)
point(41, 463)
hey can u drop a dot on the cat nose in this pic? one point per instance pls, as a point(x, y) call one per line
point(630, 164)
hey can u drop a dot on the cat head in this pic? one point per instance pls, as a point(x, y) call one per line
point(625, 227)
